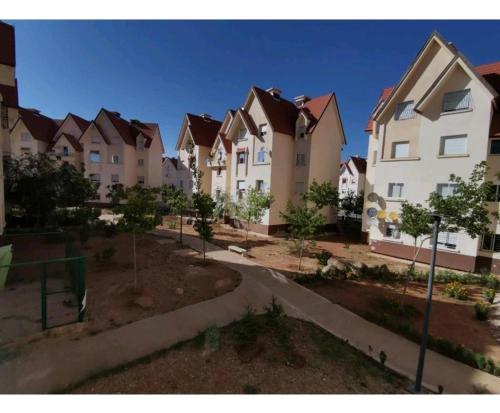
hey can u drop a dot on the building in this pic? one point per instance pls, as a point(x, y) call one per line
point(281, 147)
point(173, 173)
point(352, 176)
point(9, 103)
point(195, 141)
point(441, 118)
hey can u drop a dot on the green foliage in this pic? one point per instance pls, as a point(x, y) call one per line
point(396, 308)
point(212, 338)
point(76, 216)
point(222, 205)
point(204, 229)
point(482, 308)
point(175, 199)
point(247, 329)
point(275, 309)
point(490, 281)
point(489, 295)
point(456, 290)
point(37, 186)
point(415, 220)
point(352, 203)
point(322, 195)
point(323, 258)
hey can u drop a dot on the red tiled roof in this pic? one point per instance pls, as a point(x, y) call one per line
point(7, 44)
point(282, 113)
point(41, 127)
point(248, 121)
point(80, 122)
point(382, 98)
point(9, 96)
point(172, 160)
point(315, 108)
point(495, 125)
point(71, 139)
point(359, 163)
point(129, 131)
point(203, 130)
point(228, 145)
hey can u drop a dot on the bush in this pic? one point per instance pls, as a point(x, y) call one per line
point(274, 309)
point(482, 309)
point(490, 281)
point(247, 329)
point(489, 295)
point(456, 290)
point(212, 338)
point(323, 258)
point(172, 224)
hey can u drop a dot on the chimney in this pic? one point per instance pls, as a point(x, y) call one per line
point(301, 100)
point(206, 116)
point(274, 92)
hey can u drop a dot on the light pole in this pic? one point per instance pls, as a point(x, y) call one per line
point(425, 330)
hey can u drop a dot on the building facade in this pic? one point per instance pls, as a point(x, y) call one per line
point(440, 119)
point(352, 176)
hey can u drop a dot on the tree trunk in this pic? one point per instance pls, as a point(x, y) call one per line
point(300, 253)
point(246, 239)
point(180, 234)
point(135, 263)
point(203, 250)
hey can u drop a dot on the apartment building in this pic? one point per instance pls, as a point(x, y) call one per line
point(281, 147)
point(441, 118)
point(9, 103)
point(352, 176)
point(195, 141)
point(169, 172)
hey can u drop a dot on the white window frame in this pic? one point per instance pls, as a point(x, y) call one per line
point(139, 179)
point(140, 143)
point(442, 145)
point(405, 110)
point(300, 159)
point(453, 94)
point(392, 231)
point(443, 185)
point(444, 240)
point(244, 158)
point(65, 151)
point(494, 242)
point(263, 130)
point(395, 146)
point(260, 185)
point(242, 135)
point(140, 162)
point(115, 159)
point(391, 190)
point(262, 151)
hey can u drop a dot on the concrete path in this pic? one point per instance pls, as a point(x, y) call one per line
point(66, 362)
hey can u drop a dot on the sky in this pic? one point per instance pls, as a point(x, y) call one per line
point(156, 71)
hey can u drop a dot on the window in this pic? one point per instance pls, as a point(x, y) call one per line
point(453, 145)
point(140, 143)
point(400, 149)
point(25, 137)
point(95, 178)
point(140, 162)
point(261, 155)
point(115, 159)
point(299, 187)
point(263, 131)
point(217, 193)
point(392, 231)
point(494, 195)
point(140, 180)
point(241, 157)
point(259, 185)
point(404, 110)
point(240, 188)
point(395, 190)
point(491, 242)
point(447, 240)
point(219, 171)
point(446, 190)
point(115, 178)
point(495, 147)
point(242, 135)
point(65, 151)
point(300, 159)
point(26, 151)
point(301, 133)
point(95, 156)
point(458, 100)
point(219, 155)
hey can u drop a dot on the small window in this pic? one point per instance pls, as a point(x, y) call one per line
point(115, 159)
point(181, 183)
point(26, 151)
point(65, 151)
point(25, 137)
point(404, 110)
point(453, 145)
point(219, 155)
point(494, 195)
point(447, 240)
point(392, 231)
point(241, 157)
point(140, 142)
point(495, 147)
point(95, 178)
point(299, 187)
point(491, 242)
point(263, 131)
point(219, 171)
point(140, 162)
point(95, 156)
point(301, 133)
point(140, 180)
point(115, 178)
point(395, 190)
point(446, 190)
point(400, 150)
point(458, 100)
point(261, 155)
point(300, 160)
point(240, 189)
point(242, 135)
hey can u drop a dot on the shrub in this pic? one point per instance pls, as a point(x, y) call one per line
point(274, 309)
point(323, 258)
point(491, 282)
point(489, 295)
point(247, 329)
point(456, 290)
point(172, 224)
point(109, 230)
point(482, 309)
point(212, 338)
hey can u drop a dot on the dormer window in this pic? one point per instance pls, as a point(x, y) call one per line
point(65, 151)
point(262, 131)
point(458, 100)
point(219, 155)
point(242, 135)
point(140, 143)
point(261, 155)
point(241, 157)
point(404, 110)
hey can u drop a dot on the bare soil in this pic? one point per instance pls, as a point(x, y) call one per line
point(314, 362)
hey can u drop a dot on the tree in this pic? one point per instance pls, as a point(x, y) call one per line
point(352, 203)
point(137, 207)
point(177, 201)
point(252, 208)
point(322, 195)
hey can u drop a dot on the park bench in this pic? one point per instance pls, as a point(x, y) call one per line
point(238, 250)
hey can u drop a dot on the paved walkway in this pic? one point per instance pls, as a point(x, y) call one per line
point(67, 362)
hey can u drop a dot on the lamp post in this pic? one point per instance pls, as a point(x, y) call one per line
point(425, 330)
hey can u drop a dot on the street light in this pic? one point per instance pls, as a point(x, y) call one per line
point(425, 330)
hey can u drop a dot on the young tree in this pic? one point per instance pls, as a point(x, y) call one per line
point(252, 208)
point(352, 203)
point(177, 201)
point(322, 195)
point(138, 209)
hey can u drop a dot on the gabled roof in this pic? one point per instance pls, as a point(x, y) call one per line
point(359, 163)
point(41, 127)
point(346, 166)
point(80, 122)
point(173, 161)
point(381, 99)
point(248, 121)
point(129, 131)
point(9, 95)
point(70, 138)
point(7, 44)
point(315, 108)
point(101, 132)
point(203, 130)
point(280, 112)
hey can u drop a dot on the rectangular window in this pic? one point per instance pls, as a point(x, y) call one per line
point(241, 157)
point(263, 131)
point(491, 242)
point(95, 177)
point(453, 145)
point(240, 189)
point(495, 147)
point(115, 178)
point(458, 100)
point(400, 150)
point(115, 159)
point(25, 137)
point(300, 160)
point(95, 156)
point(140, 180)
point(447, 240)
point(140, 162)
point(140, 143)
point(181, 184)
point(395, 190)
point(261, 155)
point(404, 110)
point(299, 187)
point(494, 195)
point(25, 151)
point(259, 185)
point(446, 190)
point(392, 231)
point(242, 135)
point(65, 151)
point(219, 171)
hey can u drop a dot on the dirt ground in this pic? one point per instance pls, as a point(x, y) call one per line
point(320, 364)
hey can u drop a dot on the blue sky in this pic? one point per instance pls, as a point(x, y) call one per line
point(158, 70)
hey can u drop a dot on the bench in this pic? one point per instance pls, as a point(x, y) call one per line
point(235, 248)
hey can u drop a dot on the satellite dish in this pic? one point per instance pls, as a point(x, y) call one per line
point(373, 221)
point(393, 215)
point(371, 212)
point(372, 197)
point(382, 214)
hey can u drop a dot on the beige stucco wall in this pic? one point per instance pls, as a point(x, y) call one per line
point(16, 145)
